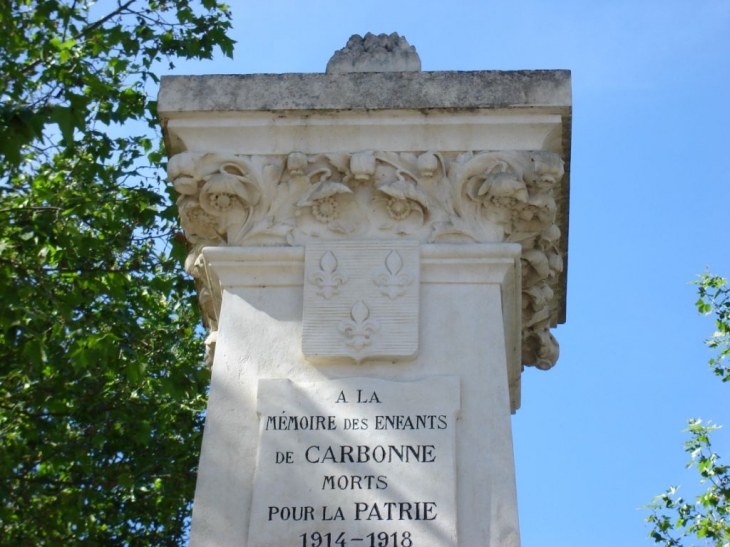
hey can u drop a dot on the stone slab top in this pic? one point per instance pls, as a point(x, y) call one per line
point(547, 90)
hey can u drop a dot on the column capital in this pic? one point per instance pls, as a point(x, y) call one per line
point(437, 157)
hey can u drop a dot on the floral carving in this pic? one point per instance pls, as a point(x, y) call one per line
point(217, 197)
point(328, 279)
point(329, 204)
point(548, 169)
point(500, 192)
point(535, 305)
point(224, 193)
point(548, 243)
point(427, 164)
point(392, 281)
point(362, 166)
point(400, 206)
point(296, 164)
point(429, 196)
point(540, 348)
point(359, 329)
point(326, 209)
point(196, 222)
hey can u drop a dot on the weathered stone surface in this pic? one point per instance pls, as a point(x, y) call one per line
point(365, 91)
point(371, 53)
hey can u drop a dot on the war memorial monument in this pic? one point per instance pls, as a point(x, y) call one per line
point(379, 251)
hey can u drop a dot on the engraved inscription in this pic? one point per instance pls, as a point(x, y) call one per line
point(356, 462)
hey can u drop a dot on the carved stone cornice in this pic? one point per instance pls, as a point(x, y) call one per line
point(431, 197)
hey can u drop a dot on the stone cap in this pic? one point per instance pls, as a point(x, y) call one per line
point(549, 90)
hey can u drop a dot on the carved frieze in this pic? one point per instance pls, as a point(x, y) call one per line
point(425, 196)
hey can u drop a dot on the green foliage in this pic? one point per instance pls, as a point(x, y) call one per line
point(675, 520)
point(714, 299)
point(101, 383)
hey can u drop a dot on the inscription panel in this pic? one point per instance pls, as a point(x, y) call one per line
point(358, 462)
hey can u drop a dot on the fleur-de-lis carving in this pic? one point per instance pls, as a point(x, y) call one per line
point(359, 329)
point(328, 278)
point(393, 282)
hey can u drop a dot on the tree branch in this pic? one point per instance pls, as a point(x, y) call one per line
point(84, 31)
point(34, 209)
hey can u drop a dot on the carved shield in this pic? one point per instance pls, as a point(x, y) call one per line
point(361, 300)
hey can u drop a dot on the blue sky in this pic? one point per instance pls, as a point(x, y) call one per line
point(599, 435)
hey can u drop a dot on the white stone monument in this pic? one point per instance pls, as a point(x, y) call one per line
point(378, 252)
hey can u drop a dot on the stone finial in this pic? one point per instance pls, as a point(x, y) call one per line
point(381, 53)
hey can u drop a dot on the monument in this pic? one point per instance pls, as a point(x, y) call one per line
point(378, 252)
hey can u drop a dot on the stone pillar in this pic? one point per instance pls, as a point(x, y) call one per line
point(378, 253)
